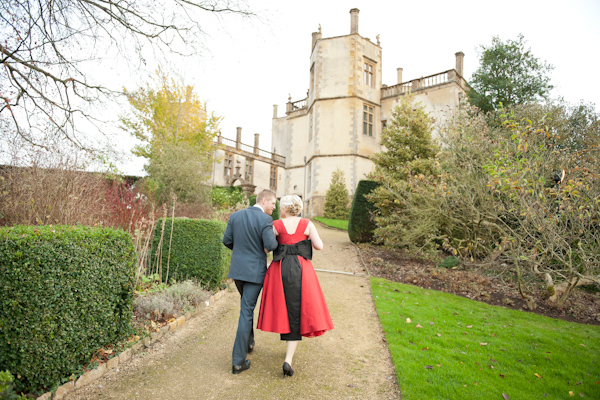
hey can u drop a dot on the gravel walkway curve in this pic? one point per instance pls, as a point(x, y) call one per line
point(194, 362)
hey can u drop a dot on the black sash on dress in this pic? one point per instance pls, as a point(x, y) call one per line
point(291, 277)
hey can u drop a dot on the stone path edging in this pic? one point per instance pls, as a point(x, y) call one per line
point(99, 371)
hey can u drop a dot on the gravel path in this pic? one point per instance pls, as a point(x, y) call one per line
point(194, 362)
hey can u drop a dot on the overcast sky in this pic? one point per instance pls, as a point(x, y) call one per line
point(252, 65)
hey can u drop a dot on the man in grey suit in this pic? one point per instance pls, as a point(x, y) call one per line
point(250, 235)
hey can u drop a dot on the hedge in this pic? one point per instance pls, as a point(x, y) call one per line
point(65, 291)
point(275, 214)
point(360, 224)
point(196, 251)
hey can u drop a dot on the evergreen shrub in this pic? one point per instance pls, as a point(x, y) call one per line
point(336, 198)
point(275, 214)
point(360, 224)
point(65, 291)
point(196, 251)
point(224, 197)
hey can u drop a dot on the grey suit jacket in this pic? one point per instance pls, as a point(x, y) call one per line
point(248, 233)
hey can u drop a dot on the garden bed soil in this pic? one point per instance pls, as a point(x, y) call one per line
point(492, 285)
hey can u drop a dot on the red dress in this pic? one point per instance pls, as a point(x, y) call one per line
point(314, 315)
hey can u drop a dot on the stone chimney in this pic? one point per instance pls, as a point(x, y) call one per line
point(399, 75)
point(256, 136)
point(315, 36)
point(238, 138)
point(460, 56)
point(274, 111)
point(354, 20)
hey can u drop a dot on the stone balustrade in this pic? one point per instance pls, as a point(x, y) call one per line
point(292, 106)
point(423, 83)
point(250, 151)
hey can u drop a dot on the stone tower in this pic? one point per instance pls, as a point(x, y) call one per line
point(339, 123)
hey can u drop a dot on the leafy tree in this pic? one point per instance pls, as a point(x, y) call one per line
point(409, 153)
point(176, 132)
point(46, 46)
point(227, 197)
point(495, 199)
point(574, 126)
point(336, 199)
point(409, 149)
point(509, 74)
point(176, 168)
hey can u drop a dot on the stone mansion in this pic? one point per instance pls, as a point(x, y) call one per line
point(338, 124)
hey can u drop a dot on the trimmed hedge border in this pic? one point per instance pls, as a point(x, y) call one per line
point(65, 291)
point(196, 250)
point(97, 373)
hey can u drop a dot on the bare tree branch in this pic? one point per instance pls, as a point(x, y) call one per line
point(45, 44)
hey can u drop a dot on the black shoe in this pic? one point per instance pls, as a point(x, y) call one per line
point(287, 369)
point(236, 369)
point(251, 347)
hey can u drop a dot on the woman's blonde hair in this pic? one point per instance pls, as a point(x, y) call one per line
point(292, 204)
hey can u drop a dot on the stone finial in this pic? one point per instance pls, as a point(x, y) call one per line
point(256, 137)
point(238, 137)
point(274, 111)
point(378, 42)
point(399, 75)
point(460, 56)
point(354, 20)
point(319, 28)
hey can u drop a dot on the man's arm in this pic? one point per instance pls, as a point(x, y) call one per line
point(268, 237)
point(228, 236)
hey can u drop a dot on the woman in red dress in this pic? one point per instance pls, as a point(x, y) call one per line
point(292, 301)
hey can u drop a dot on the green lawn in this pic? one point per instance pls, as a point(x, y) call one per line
point(456, 348)
point(334, 223)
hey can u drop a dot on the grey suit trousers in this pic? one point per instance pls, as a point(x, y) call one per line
point(245, 333)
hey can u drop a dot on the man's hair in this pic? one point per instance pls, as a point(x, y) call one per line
point(265, 194)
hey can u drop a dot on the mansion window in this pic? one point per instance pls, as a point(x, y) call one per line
point(228, 164)
point(368, 120)
point(248, 170)
point(368, 73)
point(273, 177)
